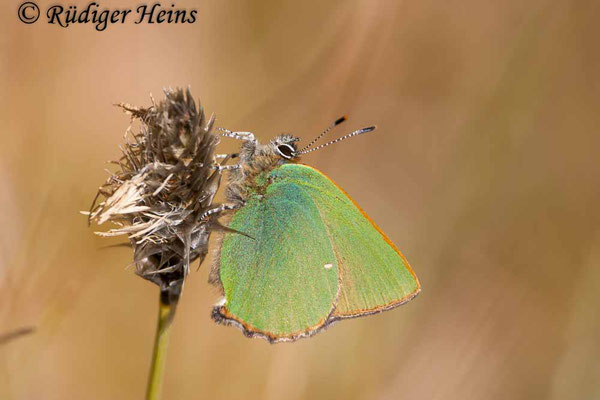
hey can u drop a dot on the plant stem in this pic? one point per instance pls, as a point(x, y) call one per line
point(166, 312)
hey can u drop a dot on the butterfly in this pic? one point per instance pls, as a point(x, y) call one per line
point(299, 253)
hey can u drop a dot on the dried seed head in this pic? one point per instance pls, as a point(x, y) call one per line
point(163, 183)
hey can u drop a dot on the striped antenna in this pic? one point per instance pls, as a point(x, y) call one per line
point(330, 127)
point(355, 133)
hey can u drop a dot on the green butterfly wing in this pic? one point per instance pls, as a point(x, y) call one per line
point(316, 257)
point(275, 283)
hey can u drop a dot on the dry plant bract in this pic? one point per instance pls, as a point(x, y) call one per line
point(163, 183)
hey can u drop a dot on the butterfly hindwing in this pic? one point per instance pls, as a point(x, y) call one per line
point(374, 275)
point(281, 282)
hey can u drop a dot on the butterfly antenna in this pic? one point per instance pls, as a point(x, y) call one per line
point(330, 127)
point(348, 136)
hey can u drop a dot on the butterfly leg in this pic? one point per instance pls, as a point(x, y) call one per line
point(222, 167)
point(245, 136)
point(220, 209)
point(226, 167)
point(222, 156)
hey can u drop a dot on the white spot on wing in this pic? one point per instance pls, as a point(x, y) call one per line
point(221, 302)
point(327, 266)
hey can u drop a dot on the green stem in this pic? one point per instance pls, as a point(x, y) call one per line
point(166, 312)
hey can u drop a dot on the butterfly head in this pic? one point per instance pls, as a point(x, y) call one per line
point(285, 147)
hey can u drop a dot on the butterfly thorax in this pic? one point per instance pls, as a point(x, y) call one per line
point(256, 161)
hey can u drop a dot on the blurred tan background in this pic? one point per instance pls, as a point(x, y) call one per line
point(483, 170)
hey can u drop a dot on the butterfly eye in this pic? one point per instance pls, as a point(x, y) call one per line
point(286, 151)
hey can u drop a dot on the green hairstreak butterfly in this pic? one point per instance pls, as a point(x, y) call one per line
point(299, 253)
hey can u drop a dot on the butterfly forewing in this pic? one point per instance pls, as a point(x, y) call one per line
point(282, 282)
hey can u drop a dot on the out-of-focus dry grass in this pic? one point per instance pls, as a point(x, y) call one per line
point(484, 171)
